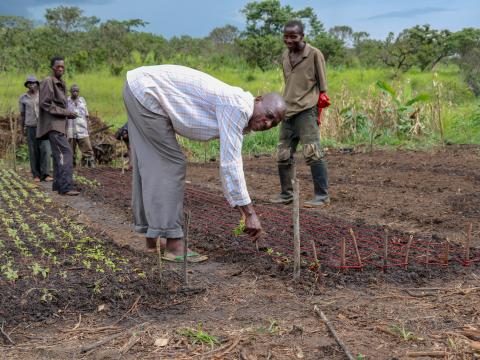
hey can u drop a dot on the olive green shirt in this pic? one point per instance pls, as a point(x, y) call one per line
point(304, 81)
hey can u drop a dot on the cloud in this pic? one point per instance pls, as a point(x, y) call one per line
point(408, 13)
point(22, 8)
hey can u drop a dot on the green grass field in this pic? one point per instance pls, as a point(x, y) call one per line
point(460, 110)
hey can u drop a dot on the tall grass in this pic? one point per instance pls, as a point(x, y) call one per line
point(353, 91)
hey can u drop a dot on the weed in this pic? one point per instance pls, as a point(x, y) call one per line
point(272, 327)
point(199, 336)
point(404, 333)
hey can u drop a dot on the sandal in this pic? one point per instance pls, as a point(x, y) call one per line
point(192, 257)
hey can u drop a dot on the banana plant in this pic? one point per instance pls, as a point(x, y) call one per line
point(405, 111)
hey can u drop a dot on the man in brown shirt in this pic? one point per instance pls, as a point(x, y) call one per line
point(52, 125)
point(305, 81)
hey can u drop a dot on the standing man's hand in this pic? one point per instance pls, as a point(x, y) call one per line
point(252, 223)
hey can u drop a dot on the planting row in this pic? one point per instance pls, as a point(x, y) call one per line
point(48, 260)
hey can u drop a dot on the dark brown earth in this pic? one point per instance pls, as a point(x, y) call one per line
point(250, 302)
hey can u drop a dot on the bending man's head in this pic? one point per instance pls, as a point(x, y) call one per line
point(268, 111)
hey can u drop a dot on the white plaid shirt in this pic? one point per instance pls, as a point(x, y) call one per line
point(77, 128)
point(200, 107)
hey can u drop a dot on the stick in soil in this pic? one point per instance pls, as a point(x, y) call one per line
point(385, 251)
point(467, 244)
point(330, 328)
point(185, 246)
point(447, 252)
point(427, 254)
point(160, 263)
point(359, 258)
point(343, 261)
point(5, 335)
point(296, 226)
point(407, 251)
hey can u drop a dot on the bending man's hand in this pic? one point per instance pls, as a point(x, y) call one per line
point(252, 223)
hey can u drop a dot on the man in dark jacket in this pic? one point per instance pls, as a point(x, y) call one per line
point(52, 125)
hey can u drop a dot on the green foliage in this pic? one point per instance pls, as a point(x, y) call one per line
point(240, 227)
point(404, 333)
point(199, 336)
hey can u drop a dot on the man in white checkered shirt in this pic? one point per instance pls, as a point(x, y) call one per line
point(165, 100)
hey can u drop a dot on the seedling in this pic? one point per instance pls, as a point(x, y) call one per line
point(404, 333)
point(240, 227)
point(272, 328)
point(200, 336)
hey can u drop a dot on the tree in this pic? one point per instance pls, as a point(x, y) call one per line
point(342, 33)
point(262, 39)
point(69, 19)
point(225, 35)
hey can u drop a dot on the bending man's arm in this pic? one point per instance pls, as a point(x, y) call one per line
point(231, 123)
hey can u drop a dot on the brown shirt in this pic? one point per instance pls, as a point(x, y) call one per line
point(53, 107)
point(304, 81)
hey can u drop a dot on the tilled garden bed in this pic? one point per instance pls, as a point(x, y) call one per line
point(50, 264)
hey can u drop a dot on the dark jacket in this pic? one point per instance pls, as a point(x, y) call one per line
point(53, 107)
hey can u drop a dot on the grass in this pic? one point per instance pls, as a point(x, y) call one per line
point(460, 110)
point(198, 336)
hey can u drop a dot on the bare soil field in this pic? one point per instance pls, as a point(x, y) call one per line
point(428, 307)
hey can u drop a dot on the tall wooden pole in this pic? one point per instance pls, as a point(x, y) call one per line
point(296, 225)
point(185, 246)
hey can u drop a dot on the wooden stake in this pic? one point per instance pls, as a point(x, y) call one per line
point(13, 130)
point(427, 254)
point(467, 244)
point(447, 252)
point(343, 261)
point(407, 252)
point(314, 250)
point(385, 251)
point(160, 263)
point(185, 246)
point(330, 328)
point(296, 225)
point(359, 258)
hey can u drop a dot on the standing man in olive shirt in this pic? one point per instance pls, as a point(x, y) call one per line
point(305, 81)
point(52, 125)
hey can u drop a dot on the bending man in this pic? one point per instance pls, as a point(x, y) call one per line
point(166, 100)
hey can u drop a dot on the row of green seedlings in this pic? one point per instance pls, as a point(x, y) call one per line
point(85, 181)
point(54, 237)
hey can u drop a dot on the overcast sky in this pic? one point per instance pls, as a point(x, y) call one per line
point(199, 17)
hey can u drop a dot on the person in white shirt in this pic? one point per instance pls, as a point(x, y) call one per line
point(165, 100)
point(77, 129)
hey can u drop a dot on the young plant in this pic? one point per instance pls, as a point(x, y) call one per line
point(200, 336)
point(404, 333)
point(240, 227)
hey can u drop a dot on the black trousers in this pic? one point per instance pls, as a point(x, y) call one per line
point(39, 154)
point(62, 162)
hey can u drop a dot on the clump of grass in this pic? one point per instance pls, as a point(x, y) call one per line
point(404, 333)
point(199, 336)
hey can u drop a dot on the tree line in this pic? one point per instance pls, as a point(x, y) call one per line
point(88, 43)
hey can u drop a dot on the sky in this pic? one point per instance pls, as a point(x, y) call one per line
point(198, 17)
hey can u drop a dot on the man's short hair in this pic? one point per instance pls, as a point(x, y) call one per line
point(55, 59)
point(294, 23)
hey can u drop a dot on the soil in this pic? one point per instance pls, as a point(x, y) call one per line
point(249, 300)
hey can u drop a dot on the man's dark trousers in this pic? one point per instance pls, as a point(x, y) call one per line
point(38, 153)
point(62, 162)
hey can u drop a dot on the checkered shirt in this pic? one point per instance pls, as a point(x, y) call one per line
point(77, 128)
point(200, 107)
